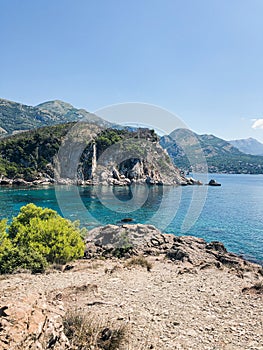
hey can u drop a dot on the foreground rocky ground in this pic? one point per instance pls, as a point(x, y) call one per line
point(189, 295)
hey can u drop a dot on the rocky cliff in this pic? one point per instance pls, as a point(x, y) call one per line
point(86, 154)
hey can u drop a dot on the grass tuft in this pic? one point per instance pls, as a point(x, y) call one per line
point(140, 261)
point(86, 332)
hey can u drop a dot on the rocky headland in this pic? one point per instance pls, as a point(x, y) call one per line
point(159, 291)
point(87, 154)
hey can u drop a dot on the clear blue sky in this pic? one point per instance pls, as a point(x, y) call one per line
point(200, 59)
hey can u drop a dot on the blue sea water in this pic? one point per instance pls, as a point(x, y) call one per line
point(232, 213)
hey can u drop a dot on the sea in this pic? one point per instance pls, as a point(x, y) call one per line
point(231, 213)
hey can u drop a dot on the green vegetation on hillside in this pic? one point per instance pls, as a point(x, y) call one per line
point(36, 238)
point(27, 154)
point(16, 117)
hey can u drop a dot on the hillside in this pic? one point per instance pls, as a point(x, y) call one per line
point(16, 117)
point(248, 146)
point(186, 149)
point(89, 154)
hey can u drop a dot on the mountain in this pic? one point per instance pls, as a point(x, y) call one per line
point(67, 113)
point(16, 117)
point(248, 146)
point(190, 151)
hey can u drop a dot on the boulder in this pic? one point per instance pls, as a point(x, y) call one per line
point(5, 181)
point(213, 183)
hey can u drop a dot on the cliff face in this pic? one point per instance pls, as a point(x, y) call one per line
point(86, 154)
point(135, 157)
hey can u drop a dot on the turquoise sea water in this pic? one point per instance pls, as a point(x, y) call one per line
point(232, 213)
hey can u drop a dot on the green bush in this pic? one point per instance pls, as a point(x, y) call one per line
point(38, 237)
point(5, 242)
point(16, 258)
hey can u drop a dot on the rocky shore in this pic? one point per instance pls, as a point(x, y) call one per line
point(107, 178)
point(163, 291)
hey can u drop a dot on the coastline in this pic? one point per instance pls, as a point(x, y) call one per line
point(19, 182)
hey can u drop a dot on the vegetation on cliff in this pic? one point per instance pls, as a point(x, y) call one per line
point(30, 155)
point(26, 154)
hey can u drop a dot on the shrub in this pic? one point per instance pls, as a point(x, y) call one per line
point(5, 242)
point(37, 237)
point(16, 258)
point(124, 246)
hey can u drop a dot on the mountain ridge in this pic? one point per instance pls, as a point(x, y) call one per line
point(194, 152)
point(248, 146)
point(17, 117)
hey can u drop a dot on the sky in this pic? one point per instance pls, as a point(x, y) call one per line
point(201, 60)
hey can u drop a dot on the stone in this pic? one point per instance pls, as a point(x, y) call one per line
point(213, 183)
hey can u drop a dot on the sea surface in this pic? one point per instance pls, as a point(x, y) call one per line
point(232, 213)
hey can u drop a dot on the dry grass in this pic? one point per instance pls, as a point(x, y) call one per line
point(86, 332)
point(115, 268)
point(140, 261)
point(257, 288)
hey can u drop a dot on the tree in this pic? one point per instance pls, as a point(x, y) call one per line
point(5, 242)
point(36, 237)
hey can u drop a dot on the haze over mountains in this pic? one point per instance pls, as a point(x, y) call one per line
point(248, 146)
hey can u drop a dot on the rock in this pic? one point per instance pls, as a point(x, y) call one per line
point(127, 220)
point(2, 311)
point(5, 181)
point(115, 174)
point(150, 181)
point(177, 254)
point(213, 183)
point(192, 181)
point(256, 289)
point(138, 239)
point(32, 323)
point(218, 246)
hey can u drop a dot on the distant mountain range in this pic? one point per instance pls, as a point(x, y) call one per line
point(192, 152)
point(16, 117)
point(248, 146)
